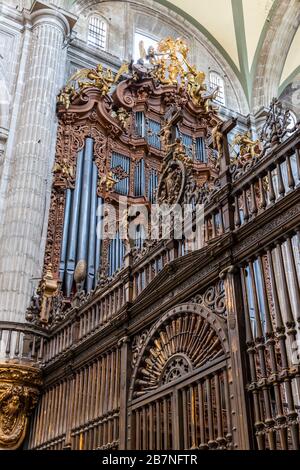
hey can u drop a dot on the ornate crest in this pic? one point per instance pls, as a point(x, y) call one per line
point(171, 185)
point(18, 396)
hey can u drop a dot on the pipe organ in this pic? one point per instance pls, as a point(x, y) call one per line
point(168, 343)
point(80, 243)
point(123, 162)
point(139, 179)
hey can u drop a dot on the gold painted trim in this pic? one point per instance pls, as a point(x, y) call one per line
point(19, 391)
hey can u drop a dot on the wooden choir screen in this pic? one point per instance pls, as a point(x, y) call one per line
point(81, 413)
point(271, 295)
point(181, 390)
point(192, 414)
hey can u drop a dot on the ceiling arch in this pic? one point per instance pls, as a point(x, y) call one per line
point(292, 63)
point(241, 31)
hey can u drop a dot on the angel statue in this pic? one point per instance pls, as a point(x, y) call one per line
point(196, 86)
point(123, 117)
point(218, 139)
point(143, 53)
point(247, 146)
point(150, 55)
point(66, 97)
point(99, 78)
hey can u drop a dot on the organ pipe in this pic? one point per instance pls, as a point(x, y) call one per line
point(72, 242)
point(91, 272)
point(85, 202)
point(98, 239)
point(64, 248)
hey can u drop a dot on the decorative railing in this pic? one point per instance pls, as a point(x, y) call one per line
point(271, 296)
point(258, 187)
point(19, 342)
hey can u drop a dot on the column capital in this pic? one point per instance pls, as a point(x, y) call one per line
point(41, 12)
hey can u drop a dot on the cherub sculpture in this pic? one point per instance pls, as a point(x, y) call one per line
point(218, 139)
point(66, 97)
point(98, 77)
point(247, 146)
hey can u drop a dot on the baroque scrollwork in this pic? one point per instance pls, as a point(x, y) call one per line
point(194, 194)
point(137, 344)
point(213, 298)
point(239, 167)
point(277, 125)
point(19, 390)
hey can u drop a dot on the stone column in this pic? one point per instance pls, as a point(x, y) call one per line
point(25, 216)
point(25, 207)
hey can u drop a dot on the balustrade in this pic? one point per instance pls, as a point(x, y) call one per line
point(259, 187)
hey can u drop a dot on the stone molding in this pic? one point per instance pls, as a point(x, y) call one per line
point(43, 13)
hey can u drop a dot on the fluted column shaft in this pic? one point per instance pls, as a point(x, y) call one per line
point(26, 202)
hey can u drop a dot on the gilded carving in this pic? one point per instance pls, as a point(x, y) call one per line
point(248, 148)
point(123, 117)
point(218, 139)
point(67, 96)
point(19, 387)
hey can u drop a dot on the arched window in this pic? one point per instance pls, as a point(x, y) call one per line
point(97, 34)
point(215, 80)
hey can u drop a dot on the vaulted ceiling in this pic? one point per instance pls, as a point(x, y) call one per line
point(238, 28)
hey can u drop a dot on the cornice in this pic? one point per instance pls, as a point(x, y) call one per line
point(41, 12)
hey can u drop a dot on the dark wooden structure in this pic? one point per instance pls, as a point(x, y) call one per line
point(157, 344)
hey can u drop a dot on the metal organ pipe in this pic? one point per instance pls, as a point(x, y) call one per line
point(124, 162)
point(142, 178)
point(85, 205)
point(117, 265)
point(153, 183)
point(91, 271)
point(64, 247)
point(80, 242)
point(200, 150)
point(99, 229)
point(116, 253)
point(139, 179)
point(72, 239)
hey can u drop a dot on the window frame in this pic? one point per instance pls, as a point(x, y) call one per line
point(100, 27)
point(214, 83)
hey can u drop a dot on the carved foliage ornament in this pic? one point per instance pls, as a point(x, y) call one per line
point(18, 397)
point(203, 194)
